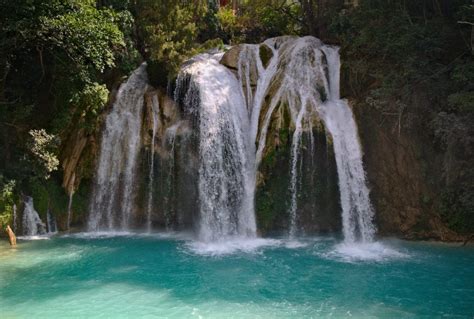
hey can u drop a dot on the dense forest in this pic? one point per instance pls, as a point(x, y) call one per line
point(407, 66)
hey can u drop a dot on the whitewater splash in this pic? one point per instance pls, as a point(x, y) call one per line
point(32, 223)
point(226, 164)
point(231, 245)
point(112, 203)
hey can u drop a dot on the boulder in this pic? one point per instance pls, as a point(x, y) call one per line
point(231, 57)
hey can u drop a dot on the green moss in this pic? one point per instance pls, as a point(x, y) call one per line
point(49, 194)
point(81, 198)
point(457, 209)
point(40, 196)
point(265, 54)
point(265, 210)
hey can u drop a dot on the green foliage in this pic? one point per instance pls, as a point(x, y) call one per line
point(209, 26)
point(169, 29)
point(6, 201)
point(458, 208)
point(229, 23)
point(43, 147)
point(273, 18)
point(259, 19)
point(48, 195)
point(55, 58)
point(89, 104)
point(87, 35)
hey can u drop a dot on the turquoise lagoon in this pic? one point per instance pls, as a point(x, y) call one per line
point(125, 275)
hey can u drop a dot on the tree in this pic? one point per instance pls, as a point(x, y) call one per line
point(50, 52)
point(169, 30)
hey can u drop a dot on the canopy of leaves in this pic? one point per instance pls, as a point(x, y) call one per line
point(55, 57)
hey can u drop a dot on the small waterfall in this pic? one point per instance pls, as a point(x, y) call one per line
point(357, 211)
point(226, 165)
point(151, 174)
point(15, 218)
point(51, 223)
point(32, 224)
point(112, 202)
point(295, 71)
point(170, 140)
point(69, 211)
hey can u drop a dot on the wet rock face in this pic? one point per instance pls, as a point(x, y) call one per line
point(174, 170)
point(231, 58)
point(318, 200)
point(405, 199)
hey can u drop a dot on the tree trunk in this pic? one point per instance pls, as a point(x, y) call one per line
point(11, 236)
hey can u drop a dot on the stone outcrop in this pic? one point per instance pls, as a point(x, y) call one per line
point(231, 58)
point(405, 199)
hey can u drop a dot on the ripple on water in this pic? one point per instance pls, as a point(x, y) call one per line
point(157, 276)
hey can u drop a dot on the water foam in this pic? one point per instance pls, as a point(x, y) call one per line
point(231, 246)
point(364, 252)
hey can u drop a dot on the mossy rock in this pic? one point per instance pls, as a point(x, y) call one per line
point(265, 54)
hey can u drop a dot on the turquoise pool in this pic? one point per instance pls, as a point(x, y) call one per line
point(171, 276)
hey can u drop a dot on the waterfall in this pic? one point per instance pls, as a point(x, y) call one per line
point(170, 139)
point(32, 224)
point(15, 218)
point(303, 74)
point(112, 203)
point(227, 160)
point(357, 211)
point(51, 223)
point(293, 72)
point(149, 208)
point(69, 210)
point(232, 112)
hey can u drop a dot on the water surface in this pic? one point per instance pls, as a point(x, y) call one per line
point(140, 276)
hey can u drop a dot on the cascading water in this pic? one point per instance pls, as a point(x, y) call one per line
point(357, 211)
point(15, 218)
point(151, 175)
point(297, 75)
point(226, 165)
point(250, 61)
point(51, 223)
point(112, 202)
point(294, 83)
point(32, 224)
point(69, 210)
point(232, 114)
point(170, 141)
